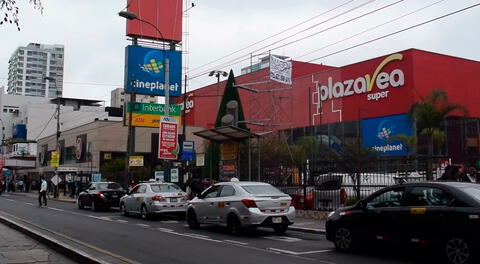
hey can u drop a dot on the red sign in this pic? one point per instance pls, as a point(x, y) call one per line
point(2, 162)
point(168, 146)
point(78, 148)
point(166, 15)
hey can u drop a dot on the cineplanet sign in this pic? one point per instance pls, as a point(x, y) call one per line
point(364, 84)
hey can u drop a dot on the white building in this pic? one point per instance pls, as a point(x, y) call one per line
point(29, 65)
point(118, 97)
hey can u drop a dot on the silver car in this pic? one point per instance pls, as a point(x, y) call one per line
point(147, 199)
point(239, 205)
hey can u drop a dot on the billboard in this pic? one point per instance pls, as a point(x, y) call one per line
point(148, 114)
point(168, 145)
point(165, 15)
point(377, 133)
point(145, 71)
point(280, 70)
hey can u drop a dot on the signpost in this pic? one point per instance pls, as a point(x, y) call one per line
point(188, 150)
point(168, 145)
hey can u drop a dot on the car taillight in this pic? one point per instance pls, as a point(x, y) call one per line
point(249, 203)
point(100, 195)
point(343, 196)
point(158, 198)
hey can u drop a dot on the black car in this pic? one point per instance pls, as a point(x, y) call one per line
point(101, 195)
point(445, 215)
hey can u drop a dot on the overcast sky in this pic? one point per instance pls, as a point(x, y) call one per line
point(94, 35)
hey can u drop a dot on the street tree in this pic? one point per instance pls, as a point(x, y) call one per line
point(428, 115)
point(10, 11)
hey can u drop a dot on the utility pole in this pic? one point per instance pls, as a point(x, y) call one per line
point(57, 134)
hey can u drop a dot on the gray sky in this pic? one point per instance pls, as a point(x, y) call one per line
point(94, 35)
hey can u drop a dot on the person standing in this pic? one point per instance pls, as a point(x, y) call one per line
point(42, 193)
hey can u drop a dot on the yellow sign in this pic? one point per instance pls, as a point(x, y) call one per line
point(229, 151)
point(135, 161)
point(147, 120)
point(55, 162)
point(107, 156)
point(418, 211)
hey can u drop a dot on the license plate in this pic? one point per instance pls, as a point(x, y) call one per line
point(276, 220)
point(173, 200)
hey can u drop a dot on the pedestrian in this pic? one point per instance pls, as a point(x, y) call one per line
point(42, 193)
point(471, 175)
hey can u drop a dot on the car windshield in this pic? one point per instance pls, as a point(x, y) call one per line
point(473, 191)
point(262, 189)
point(109, 185)
point(165, 188)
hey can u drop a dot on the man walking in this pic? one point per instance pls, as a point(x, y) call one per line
point(42, 193)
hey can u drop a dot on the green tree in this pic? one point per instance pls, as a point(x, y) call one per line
point(113, 170)
point(428, 115)
point(11, 11)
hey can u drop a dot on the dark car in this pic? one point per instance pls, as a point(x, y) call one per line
point(445, 215)
point(100, 195)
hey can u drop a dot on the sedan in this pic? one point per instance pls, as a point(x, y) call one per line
point(445, 215)
point(238, 205)
point(147, 199)
point(100, 195)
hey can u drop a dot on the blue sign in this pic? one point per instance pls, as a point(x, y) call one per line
point(188, 150)
point(145, 71)
point(376, 133)
point(96, 177)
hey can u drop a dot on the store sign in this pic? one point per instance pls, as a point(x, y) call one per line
point(135, 161)
point(364, 84)
point(148, 114)
point(145, 71)
point(168, 143)
point(67, 169)
point(229, 151)
point(377, 133)
point(55, 161)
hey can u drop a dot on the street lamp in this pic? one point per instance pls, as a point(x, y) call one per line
point(218, 74)
point(57, 136)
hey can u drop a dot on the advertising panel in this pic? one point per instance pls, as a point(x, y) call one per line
point(280, 70)
point(377, 133)
point(135, 161)
point(148, 114)
point(55, 162)
point(145, 71)
point(188, 150)
point(165, 15)
point(168, 144)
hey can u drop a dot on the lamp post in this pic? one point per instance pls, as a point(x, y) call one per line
point(57, 135)
point(218, 74)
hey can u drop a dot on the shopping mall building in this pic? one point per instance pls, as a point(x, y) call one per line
point(367, 100)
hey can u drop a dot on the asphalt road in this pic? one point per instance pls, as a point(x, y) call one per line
point(118, 239)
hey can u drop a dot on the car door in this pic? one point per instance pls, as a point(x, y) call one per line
point(88, 194)
point(427, 213)
point(205, 206)
point(224, 201)
point(139, 197)
point(383, 215)
point(129, 200)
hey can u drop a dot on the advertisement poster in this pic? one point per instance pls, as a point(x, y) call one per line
point(174, 175)
point(168, 141)
point(148, 114)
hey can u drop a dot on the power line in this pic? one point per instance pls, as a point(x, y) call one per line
point(45, 126)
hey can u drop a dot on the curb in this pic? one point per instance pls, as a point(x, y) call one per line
point(307, 230)
point(71, 252)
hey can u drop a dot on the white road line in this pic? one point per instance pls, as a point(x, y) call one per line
point(104, 218)
point(143, 225)
point(299, 253)
point(283, 238)
point(236, 242)
point(169, 222)
point(165, 229)
point(122, 221)
point(9, 200)
point(30, 204)
point(197, 235)
point(56, 209)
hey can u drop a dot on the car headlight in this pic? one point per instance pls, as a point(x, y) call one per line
point(331, 214)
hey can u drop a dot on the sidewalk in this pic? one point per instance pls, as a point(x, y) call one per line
point(16, 247)
point(308, 225)
point(34, 194)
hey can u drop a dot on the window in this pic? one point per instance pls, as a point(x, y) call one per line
point(110, 185)
point(391, 198)
point(262, 189)
point(428, 196)
point(165, 188)
point(227, 190)
point(142, 189)
point(211, 192)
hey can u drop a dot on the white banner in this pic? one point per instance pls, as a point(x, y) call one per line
point(280, 70)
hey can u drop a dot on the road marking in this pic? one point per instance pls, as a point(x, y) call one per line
point(236, 242)
point(169, 222)
point(122, 221)
point(197, 235)
point(30, 204)
point(299, 253)
point(143, 225)
point(283, 238)
point(56, 209)
point(104, 218)
point(165, 229)
point(10, 200)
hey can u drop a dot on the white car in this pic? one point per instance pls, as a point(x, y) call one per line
point(147, 199)
point(239, 205)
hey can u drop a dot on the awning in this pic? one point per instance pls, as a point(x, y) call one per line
point(226, 133)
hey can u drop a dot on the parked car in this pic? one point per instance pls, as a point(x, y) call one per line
point(329, 193)
point(100, 195)
point(147, 199)
point(445, 215)
point(238, 205)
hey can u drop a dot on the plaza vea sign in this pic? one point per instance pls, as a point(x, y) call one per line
point(145, 71)
point(365, 84)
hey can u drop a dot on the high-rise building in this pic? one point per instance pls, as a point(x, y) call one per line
point(29, 65)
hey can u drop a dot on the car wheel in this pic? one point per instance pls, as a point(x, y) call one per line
point(123, 210)
point(343, 239)
point(280, 229)
point(192, 219)
point(143, 212)
point(458, 251)
point(233, 225)
point(80, 203)
point(94, 206)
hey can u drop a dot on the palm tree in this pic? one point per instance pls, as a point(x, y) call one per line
point(428, 115)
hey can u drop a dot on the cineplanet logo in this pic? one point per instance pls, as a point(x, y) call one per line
point(364, 84)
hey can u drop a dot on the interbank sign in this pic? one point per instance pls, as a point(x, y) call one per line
point(145, 72)
point(365, 84)
point(148, 115)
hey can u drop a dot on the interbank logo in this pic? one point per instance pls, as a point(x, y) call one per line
point(364, 84)
point(152, 63)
